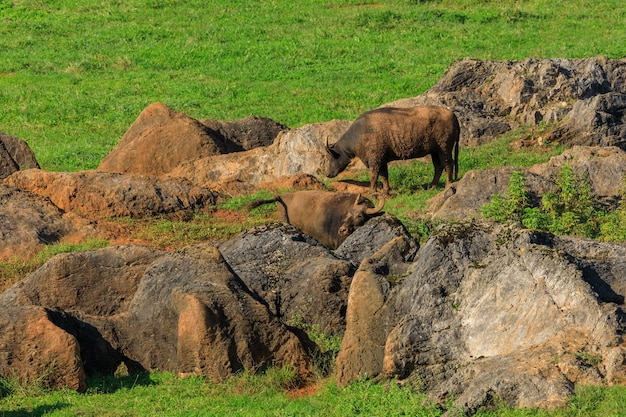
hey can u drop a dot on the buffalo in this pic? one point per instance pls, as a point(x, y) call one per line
point(327, 216)
point(389, 134)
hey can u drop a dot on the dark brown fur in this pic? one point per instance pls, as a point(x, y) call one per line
point(327, 216)
point(389, 134)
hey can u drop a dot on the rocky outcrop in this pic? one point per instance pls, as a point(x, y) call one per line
point(605, 167)
point(480, 312)
point(184, 312)
point(15, 154)
point(583, 99)
point(101, 194)
point(161, 139)
point(298, 151)
point(490, 312)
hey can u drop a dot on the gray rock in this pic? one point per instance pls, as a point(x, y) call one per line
point(372, 236)
point(300, 280)
point(586, 95)
point(488, 312)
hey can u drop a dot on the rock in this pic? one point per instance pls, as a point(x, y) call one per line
point(15, 155)
point(160, 140)
point(92, 284)
point(294, 152)
point(7, 164)
point(605, 167)
point(488, 312)
point(28, 222)
point(368, 316)
point(192, 315)
point(466, 197)
point(299, 279)
point(247, 133)
point(599, 120)
point(34, 349)
point(373, 235)
point(102, 194)
point(585, 96)
point(104, 288)
point(184, 312)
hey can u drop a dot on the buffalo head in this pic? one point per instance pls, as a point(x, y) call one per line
point(337, 160)
point(359, 214)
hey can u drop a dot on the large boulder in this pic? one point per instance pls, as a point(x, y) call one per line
point(161, 139)
point(586, 97)
point(29, 221)
point(185, 312)
point(247, 133)
point(490, 312)
point(101, 194)
point(294, 152)
point(605, 167)
point(191, 314)
point(302, 282)
point(98, 285)
point(15, 154)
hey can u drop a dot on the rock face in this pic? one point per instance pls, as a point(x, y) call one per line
point(490, 312)
point(301, 280)
point(101, 194)
point(29, 221)
point(587, 97)
point(15, 155)
point(184, 312)
point(298, 151)
point(161, 139)
point(605, 167)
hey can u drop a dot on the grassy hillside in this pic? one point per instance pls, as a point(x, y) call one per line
point(75, 74)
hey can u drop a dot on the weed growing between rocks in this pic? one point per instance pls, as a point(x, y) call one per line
point(570, 209)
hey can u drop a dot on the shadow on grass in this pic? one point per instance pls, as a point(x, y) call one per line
point(108, 384)
point(35, 412)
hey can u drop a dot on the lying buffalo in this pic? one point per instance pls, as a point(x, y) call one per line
point(327, 216)
point(389, 134)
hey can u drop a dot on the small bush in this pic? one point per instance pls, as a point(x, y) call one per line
point(570, 209)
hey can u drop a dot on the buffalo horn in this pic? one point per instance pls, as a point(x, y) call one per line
point(329, 149)
point(378, 208)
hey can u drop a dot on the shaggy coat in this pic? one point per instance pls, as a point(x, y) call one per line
point(389, 134)
point(327, 216)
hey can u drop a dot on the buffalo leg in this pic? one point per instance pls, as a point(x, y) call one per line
point(384, 176)
point(374, 178)
point(438, 170)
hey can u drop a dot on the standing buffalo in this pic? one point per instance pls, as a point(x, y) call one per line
point(327, 216)
point(389, 134)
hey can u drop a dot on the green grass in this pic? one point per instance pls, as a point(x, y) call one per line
point(16, 268)
point(75, 74)
point(270, 394)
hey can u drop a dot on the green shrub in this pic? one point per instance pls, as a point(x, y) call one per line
point(570, 209)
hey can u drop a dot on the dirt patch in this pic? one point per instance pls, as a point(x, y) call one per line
point(306, 391)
